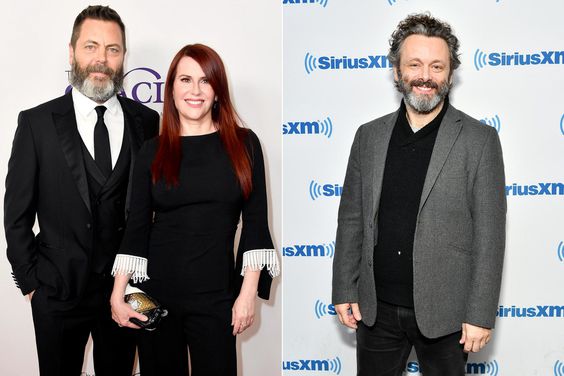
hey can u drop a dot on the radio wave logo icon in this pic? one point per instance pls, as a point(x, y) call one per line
point(492, 368)
point(335, 365)
point(558, 368)
point(322, 309)
point(310, 63)
point(560, 251)
point(314, 190)
point(323, 3)
point(326, 127)
point(493, 122)
point(480, 59)
point(330, 249)
point(562, 124)
point(392, 2)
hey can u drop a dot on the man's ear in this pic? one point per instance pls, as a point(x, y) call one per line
point(71, 54)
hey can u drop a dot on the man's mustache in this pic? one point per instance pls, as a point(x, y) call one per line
point(425, 83)
point(100, 68)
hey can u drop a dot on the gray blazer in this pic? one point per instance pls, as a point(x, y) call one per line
point(460, 233)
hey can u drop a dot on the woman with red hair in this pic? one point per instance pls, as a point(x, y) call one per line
point(190, 187)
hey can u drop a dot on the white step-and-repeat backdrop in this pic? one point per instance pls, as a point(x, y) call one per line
point(511, 78)
point(34, 65)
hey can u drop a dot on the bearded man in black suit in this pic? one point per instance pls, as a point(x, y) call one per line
point(70, 167)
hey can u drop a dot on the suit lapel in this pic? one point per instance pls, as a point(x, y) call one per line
point(380, 141)
point(134, 130)
point(69, 139)
point(447, 135)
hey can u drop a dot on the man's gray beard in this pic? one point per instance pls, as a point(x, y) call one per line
point(422, 104)
point(78, 78)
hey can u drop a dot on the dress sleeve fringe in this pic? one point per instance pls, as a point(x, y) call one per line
point(127, 264)
point(257, 259)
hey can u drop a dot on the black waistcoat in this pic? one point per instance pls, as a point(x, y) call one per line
point(107, 200)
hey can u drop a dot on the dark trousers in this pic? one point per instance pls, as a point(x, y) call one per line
point(383, 349)
point(199, 324)
point(61, 337)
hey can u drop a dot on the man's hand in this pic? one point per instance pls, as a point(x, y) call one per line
point(474, 338)
point(346, 317)
point(30, 295)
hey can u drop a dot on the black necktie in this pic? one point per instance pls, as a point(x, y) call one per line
point(102, 153)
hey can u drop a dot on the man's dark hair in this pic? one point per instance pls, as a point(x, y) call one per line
point(423, 24)
point(96, 12)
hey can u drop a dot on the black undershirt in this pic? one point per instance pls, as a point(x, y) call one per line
point(406, 166)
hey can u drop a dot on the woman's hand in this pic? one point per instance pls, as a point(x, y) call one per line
point(243, 313)
point(122, 312)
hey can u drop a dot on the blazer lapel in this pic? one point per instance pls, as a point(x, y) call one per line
point(380, 140)
point(447, 135)
point(69, 138)
point(134, 128)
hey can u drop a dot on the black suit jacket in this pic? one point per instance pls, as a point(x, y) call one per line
point(47, 178)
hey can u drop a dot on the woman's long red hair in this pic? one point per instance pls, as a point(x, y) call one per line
point(166, 164)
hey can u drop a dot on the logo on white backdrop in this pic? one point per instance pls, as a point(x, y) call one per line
point(546, 311)
point(558, 368)
point(322, 309)
point(310, 250)
point(333, 365)
point(316, 127)
point(323, 3)
point(146, 85)
point(502, 59)
point(331, 62)
point(539, 189)
point(490, 368)
point(493, 122)
point(560, 251)
point(317, 190)
point(562, 124)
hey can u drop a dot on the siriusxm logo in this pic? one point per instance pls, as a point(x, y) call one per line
point(312, 63)
point(562, 124)
point(493, 122)
point(328, 365)
point(536, 311)
point(322, 309)
point(560, 251)
point(310, 250)
point(321, 127)
point(328, 190)
point(323, 3)
point(143, 89)
point(496, 59)
point(484, 368)
point(558, 368)
point(540, 189)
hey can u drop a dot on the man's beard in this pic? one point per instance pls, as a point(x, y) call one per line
point(92, 87)
point(422, 103)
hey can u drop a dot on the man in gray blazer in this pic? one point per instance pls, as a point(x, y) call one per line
point(421, 228)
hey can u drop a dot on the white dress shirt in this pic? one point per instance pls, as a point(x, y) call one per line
point(86, 118)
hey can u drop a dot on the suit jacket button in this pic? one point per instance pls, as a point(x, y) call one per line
point(88, 226)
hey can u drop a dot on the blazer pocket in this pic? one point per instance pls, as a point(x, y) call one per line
point(42, 244)
point(459, 249)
